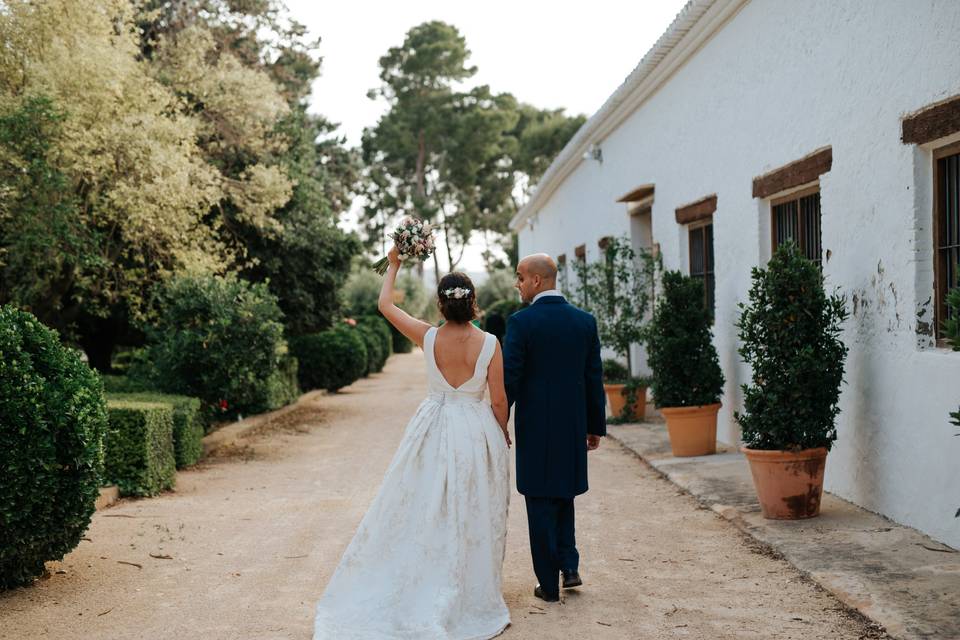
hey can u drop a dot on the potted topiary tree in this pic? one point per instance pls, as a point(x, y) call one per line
point(790, 337)
point(626, 394)
point(617, 289)
point(952, 327)
point(687, 381)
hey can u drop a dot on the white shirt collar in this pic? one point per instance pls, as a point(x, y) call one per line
point(544, 294)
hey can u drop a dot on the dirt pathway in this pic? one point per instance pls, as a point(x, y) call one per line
point(244, 546)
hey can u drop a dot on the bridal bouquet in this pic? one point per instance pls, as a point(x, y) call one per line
point(414, 239)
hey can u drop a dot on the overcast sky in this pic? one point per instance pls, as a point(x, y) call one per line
point(550, 54)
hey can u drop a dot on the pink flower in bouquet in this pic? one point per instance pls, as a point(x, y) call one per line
point(413, 238)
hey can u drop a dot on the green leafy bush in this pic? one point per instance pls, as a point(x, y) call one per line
point(371, 339)
point(496, 315)
point(400, 343)
point(330, 359)
point(218, 339)
point(139, 453)
point(382, 328)
point(499, 285)
point(282, 385)
point(52, 421)
point(188, 426)
point(113, 383)
point(790, 336)
point(506, 307)
point(614, 372)
point(680, 351)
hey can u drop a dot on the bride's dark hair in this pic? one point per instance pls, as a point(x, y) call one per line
point(460, 310)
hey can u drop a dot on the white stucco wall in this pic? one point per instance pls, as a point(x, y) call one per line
point(778, 81)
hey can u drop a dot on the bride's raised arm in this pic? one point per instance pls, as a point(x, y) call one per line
point(405, 323)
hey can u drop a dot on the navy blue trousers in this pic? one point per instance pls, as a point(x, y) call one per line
point(553, 543)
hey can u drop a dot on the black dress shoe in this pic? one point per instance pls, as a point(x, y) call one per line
point(571, 579)
point(540, 594)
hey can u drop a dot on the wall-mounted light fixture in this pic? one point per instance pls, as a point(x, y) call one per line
point(593, 153)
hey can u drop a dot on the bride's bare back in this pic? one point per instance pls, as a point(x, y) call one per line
point(456, 352)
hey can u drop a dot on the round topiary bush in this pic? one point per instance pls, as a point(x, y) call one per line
point(401, 343)
point(371, 339)
point(52, 421)
point(382, 329)
point(380, 324)
point(219, 339)
point(331, 359)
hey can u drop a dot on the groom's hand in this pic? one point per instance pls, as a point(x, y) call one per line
point(593, 442)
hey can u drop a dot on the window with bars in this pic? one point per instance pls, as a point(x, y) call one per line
point(797, 218)
point(946, 228)
point(701, 261)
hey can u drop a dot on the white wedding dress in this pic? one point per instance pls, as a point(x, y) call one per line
point(426, 561)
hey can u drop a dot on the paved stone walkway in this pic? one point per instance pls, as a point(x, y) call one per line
point(244, 546)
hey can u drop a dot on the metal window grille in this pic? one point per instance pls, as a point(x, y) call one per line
point(947, 227)
point(701, 262)
point(798, 219)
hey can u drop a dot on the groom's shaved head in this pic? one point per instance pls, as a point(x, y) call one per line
point(540, 264)
point(536, 273)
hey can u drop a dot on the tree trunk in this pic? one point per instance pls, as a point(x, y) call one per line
point(421, 165)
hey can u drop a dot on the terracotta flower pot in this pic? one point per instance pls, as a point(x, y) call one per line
point(789, 483)
point(618, 399)
point(693, 430)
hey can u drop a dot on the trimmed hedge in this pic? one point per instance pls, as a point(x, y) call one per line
point(52, 421)
point(331, 359)
point(139, 447)
point(188, 427)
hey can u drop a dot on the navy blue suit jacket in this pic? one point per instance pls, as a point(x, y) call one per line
point(554, 377)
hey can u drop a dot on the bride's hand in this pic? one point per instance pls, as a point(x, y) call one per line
point(506, 435)
point(394, 256)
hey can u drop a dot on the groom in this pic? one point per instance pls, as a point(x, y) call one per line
point(552, 372)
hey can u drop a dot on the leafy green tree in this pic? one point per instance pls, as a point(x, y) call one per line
point(618, 289)
point(44, 244)
point(129, 159)
point(438, 153)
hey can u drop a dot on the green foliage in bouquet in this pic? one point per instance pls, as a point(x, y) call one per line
point(790, 336)
point(52, 422)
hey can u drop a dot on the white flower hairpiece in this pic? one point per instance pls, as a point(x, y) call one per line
point(458, 292)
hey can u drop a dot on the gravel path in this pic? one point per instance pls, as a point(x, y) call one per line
point(246, 543)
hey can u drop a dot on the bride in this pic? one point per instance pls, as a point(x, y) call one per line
point(427, 558)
